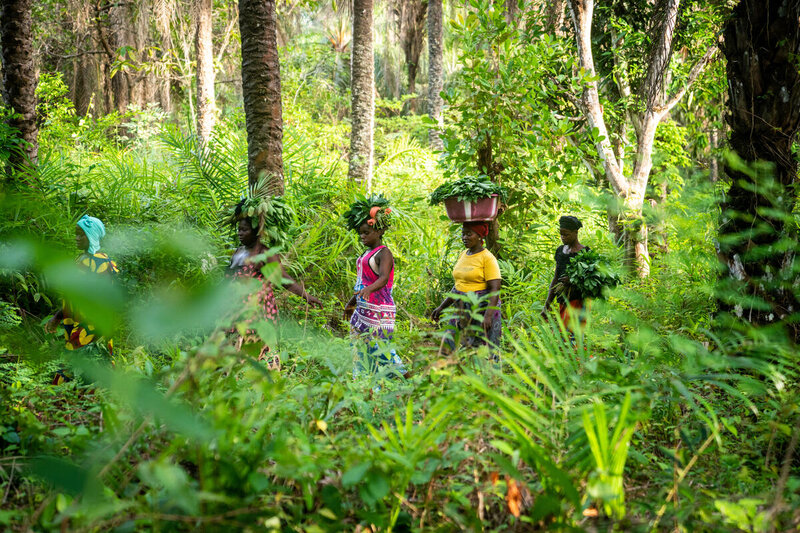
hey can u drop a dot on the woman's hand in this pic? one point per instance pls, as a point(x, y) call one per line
point(313, 301)
point(488, 318)
point(364, 293)
point(436, 314)
point(545, 315)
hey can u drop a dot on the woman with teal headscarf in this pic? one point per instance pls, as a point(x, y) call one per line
point(78, 333)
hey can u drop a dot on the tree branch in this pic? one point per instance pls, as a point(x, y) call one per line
point(653, 87)
point(693, 75)
point(227, 39)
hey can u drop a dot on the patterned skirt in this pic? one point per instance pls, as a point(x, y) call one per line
point(463, 327)
point(371, 328)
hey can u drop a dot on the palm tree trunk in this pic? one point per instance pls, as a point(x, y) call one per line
point(758, 240)
point(435, 71)
point(261, 88)
point(204, 47)
point(363, 94)
point(19, 77)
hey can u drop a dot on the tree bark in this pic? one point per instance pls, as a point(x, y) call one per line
point(512, 10)
point(757, 245)
point(19, 77)
point(163, 14)
point(555, 17)
point(362, 77)
point(121, 22)
point(412, 34)
point(204, 47)
point(261, 88)
point(435, 71)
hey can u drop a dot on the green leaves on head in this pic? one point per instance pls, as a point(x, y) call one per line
point(360, 212)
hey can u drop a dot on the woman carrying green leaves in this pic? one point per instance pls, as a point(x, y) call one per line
point(372, 307)
point(261, 221)
point(571, 304)
point(477, 272)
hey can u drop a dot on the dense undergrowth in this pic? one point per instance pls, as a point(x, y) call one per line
point(654, 420)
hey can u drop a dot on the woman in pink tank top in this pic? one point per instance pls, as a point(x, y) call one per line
point(372, 306)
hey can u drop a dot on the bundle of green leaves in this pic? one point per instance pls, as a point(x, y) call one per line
point(374, 208)
point(469, 189)
point(590, 273)
point(271, 216)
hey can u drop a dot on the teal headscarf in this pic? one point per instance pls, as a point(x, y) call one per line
point(94, 230)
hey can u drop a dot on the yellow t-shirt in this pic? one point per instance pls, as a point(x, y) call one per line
point(471, 272)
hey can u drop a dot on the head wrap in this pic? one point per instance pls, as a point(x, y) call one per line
point(481, 228)
point(94, 230)
point(570, 222)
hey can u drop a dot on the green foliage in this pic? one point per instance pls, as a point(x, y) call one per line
point(9, 316)
point(62, 127)
point(361, 211)
point(590, 274)
point(468, 188)
point(187, 431)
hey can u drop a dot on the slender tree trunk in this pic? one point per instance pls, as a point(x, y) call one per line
point(120, 22)
point(19, 77)
point(261, 88)
point(713, 160)
point(512, 10)
point(163, 14)
point(758, 238)
point(413, 37)
point(435, 71)
point(363, 94)
point(104, 62)
point(204, 47)
point(555, 17)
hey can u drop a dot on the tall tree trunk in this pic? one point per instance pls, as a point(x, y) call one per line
point(362, 75)
point(555, 17)
point(412, 35)
point(120, 36)
point(512, 10)
point(19, 77)
point(757, 245)
point(261, 88)
point(163, 14)
point(435, 71)
point(204, 47)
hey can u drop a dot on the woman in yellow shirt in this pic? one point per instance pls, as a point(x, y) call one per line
point(476, 271)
